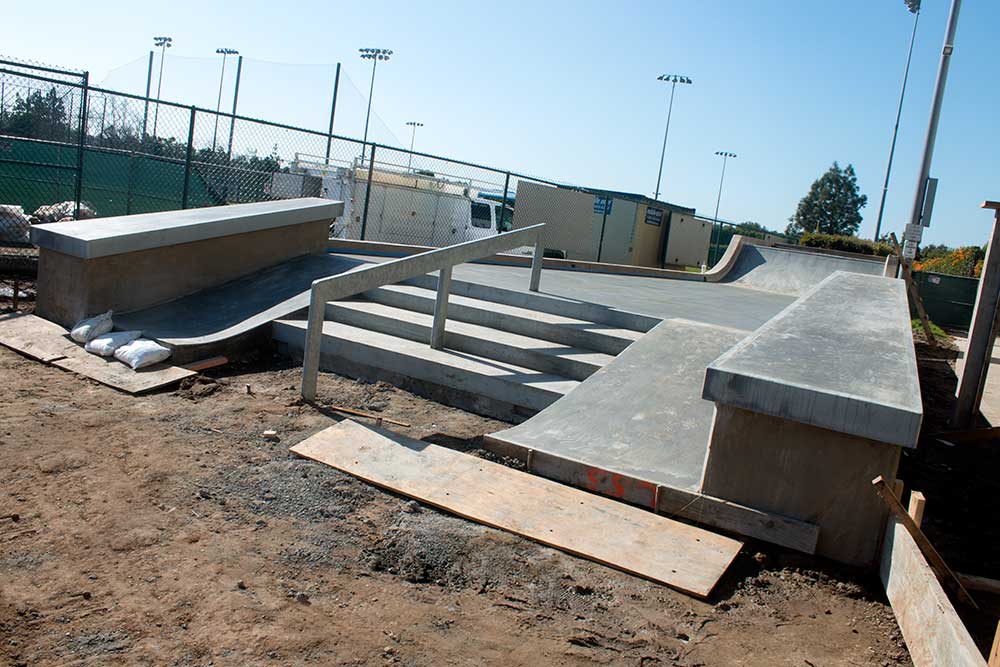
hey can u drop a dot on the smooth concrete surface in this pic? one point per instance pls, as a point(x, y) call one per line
point(803, 472)
point(70, 288)
point(100, 237)
point(841, 358)
point(642, 414)
point(490, 387)
point(535, 353)
point(566, 330)
point(233, 309)
point(792, 272)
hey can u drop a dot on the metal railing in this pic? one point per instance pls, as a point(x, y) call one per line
point(366, 278)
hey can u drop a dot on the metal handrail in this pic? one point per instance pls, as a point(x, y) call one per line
point(366, 278)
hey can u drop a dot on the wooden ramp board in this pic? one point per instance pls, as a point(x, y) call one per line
point(46, 341)
point(34, 337)
point(607, 531)
point(932, 629)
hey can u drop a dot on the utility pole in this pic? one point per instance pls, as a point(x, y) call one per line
point(164, 43)
point(218, 102)
point(725, 155)
point(374, 55)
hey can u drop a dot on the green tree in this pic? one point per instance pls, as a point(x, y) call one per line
point(832, 206)
point(37, 115)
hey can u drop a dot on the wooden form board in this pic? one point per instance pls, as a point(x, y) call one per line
point(932, 629)
point(666, 500)
point(607, 531)
point(48, 342)
point(34, 337)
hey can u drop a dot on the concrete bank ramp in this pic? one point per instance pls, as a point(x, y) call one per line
point(656, 428)
point(789, 271)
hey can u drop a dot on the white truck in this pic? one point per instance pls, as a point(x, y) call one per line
point(406, 206)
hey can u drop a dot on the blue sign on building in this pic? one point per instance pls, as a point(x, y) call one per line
point(602, 205)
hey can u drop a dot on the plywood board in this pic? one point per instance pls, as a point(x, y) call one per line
point(933, 631)
point(46, 341)
point(115, 374)
point(621, 536)
point(34, 337)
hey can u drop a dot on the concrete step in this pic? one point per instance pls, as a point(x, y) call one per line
point(540, 355)
point(470, 382)
point(546, 303)
point(512, 319)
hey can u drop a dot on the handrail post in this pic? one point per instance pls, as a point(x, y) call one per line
point(536, 263)
point(441, 308)
point(314, 338)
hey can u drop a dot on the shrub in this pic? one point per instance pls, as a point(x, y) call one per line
point(845, 244)
point(967, 261)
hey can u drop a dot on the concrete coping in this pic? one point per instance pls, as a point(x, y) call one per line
point(101, 237)
point(841, 357)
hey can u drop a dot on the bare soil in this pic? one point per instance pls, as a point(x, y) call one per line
point(165, 530)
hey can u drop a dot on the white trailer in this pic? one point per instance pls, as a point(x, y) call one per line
point(405, 206)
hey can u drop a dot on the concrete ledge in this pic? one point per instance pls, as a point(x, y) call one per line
point(88, 239)
point(841, 358)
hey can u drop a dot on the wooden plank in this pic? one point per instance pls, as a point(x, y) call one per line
point(666, 500)
point(916, 508)
point(933, 631)
point(34, 337)
point(205, 364)
point(115, 374)
point(995, 651)
point(627, 538)
point(948, 578)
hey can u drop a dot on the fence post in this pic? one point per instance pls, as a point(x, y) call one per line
point(187, 160)
point(333, 112)
point(83, 142)
point(368, 193)
point(503, 204)
point(145, 106)
point(441, 308)
point(131, 181)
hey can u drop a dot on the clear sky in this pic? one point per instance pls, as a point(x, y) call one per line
point(568, 90)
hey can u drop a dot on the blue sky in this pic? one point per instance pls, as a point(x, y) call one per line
point(568, 90)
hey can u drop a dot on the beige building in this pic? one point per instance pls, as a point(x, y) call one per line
point(613, 227)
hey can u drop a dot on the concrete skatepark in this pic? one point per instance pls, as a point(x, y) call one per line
point(710, 396)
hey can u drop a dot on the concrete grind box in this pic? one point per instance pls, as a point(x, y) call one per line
point(130, 262)
point(814, 405)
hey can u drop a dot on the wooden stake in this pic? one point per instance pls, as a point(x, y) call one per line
point(916, 509)
point(358, 413)
point(934, 559)
point(204, 364)
point(984, 584)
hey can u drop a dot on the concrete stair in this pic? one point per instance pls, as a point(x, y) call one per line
point(501, 360)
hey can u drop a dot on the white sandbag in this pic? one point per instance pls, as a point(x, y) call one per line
point(106, 344)
point(86, 330)
point(141, 353)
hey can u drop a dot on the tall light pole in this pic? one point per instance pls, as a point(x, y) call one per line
point(914, 7)
point(932, 125)
point(164, 43)
point(725, 155)
point(218, 103)
point(413, 135)
point(374, 55)
point(674, 79)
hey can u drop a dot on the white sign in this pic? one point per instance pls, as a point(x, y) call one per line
point(913, 233)
point(909, 250)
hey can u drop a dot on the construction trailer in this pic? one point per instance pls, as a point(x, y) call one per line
point(614, 227)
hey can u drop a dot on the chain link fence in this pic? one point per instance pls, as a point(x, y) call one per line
point(72, 150)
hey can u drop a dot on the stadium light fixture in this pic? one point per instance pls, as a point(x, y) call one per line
point(413, 135)
point(374, 55)
point(224, 52)
point(673, 79)
point(162, 43)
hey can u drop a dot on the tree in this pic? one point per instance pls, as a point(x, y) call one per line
point(832, 206)
point(37, 115)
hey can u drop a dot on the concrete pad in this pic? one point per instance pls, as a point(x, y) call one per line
point(101, 237)
point(657, 427)
point(840, 358)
